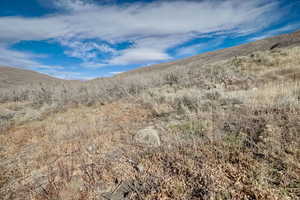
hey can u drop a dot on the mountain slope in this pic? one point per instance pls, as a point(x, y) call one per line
point(224, 130)
point(10, 76)
point(281, 41)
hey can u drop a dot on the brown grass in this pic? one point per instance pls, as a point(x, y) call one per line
point(229, 130)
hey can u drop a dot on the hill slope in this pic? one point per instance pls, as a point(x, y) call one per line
point(224, 130)
point(281, 41)
point(10, 77)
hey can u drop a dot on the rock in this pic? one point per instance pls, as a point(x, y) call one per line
point(140, 168)
point(148, 136)
point(92, 148)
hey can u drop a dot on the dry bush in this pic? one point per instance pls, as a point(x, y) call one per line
point(208, 76)
point(258, 158)
point(280, 95)
point(225, 134)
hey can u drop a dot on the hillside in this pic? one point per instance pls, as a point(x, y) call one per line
point(281, 41)
point(11, 77)
point(221, 125)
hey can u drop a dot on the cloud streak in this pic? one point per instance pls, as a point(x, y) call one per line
point(22, 60)
point(153, 28)
point(280, 30)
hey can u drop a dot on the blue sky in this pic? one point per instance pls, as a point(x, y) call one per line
point(85, 39)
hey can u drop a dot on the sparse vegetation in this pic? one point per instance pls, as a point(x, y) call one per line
point(229, 130)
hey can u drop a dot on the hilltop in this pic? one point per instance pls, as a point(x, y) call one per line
point(11, 77)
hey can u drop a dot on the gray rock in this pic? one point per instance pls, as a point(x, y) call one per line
point(92, 148)
point(140, 167)
point(148, 136)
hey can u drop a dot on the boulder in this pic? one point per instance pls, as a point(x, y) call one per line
point(148, 136)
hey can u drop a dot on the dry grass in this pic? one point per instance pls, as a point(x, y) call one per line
point(229, 130)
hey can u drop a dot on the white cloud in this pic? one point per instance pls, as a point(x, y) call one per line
point(115, 73)
point(14, 29)
point(84, 50)
point(274, 32)
point(190, 50)
point(153, 27)
point(91, 64)
point(22, 60)
point(194, 49)
point(72, 5)
point(138, 56)
point(68, 75)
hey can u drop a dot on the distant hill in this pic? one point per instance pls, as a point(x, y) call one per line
point(10, 77)
point(281, 41)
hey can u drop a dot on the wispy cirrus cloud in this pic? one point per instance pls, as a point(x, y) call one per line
point(194, 49)
point(152, 28)
point(86, 51)
point(277, 31)
point(115, 73)
point(20, 59)
point(68, 75)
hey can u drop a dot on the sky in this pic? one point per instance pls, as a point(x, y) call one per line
point(85, 39)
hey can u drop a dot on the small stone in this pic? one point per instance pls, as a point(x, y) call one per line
point(91, 148)
point(148, 136)
point(140, 167)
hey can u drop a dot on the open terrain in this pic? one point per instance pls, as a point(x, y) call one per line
point(222, 125)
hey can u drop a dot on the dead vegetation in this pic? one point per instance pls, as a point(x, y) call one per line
point(229, 130)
